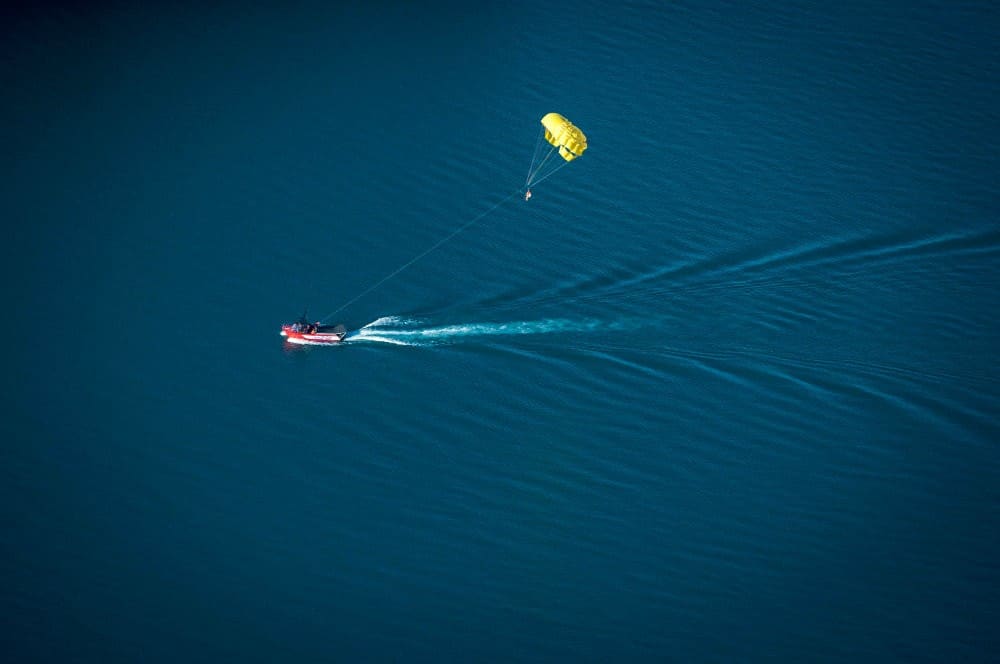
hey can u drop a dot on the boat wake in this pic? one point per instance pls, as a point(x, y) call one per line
point(410, 332)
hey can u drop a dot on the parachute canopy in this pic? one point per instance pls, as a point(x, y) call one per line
point(564, 135)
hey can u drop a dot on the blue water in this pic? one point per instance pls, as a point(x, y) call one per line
point(725, 389)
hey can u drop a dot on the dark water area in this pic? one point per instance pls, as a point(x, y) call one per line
point(725, 389)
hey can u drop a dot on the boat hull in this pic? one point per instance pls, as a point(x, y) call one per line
point(303, 337)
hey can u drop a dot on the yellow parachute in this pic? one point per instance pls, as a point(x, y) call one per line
point(564, 135)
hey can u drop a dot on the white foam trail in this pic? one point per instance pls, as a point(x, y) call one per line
point(395, 330)
point(389, 320)
point(373, 337)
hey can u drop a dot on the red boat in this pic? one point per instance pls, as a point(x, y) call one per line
point(303, 332)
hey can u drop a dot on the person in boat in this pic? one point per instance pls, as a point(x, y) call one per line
point(301, 325)
point(527, 195)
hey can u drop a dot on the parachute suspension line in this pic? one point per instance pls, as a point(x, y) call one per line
point(550, 173)
point(413, 260)
point(534, 155)
point(533, 175)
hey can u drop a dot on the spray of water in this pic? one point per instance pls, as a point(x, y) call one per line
point(410, 332)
